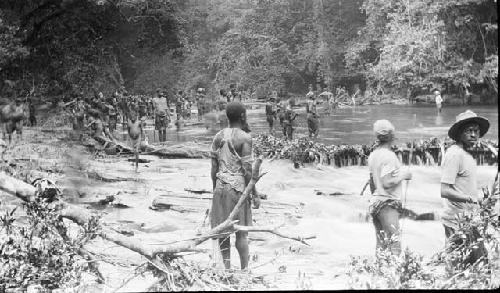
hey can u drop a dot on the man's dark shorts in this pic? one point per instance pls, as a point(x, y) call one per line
point(161, 121)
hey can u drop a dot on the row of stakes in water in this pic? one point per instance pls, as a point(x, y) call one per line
point(423, 152)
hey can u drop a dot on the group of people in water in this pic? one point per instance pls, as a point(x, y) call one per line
point(232, 169)
point(280, 107)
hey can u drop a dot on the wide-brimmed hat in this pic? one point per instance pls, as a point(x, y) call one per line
point(466, 118)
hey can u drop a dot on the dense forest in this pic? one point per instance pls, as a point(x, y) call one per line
point(62, 48)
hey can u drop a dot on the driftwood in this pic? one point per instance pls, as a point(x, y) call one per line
point(181, 151)
point(197, 191)
point(82, 216)
point(186, 150)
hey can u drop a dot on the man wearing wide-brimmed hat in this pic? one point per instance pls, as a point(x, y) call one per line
point(387, 178)
point(459, 170)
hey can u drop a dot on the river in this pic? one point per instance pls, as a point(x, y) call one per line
point(354, 125)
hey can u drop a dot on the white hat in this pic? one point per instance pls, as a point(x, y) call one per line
point(383, 127)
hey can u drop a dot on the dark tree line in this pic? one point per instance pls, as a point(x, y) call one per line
point(59, 48)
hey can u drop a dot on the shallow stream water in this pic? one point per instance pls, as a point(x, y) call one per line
point(349, 125)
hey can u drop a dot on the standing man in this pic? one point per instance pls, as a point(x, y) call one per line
point(385, 203)
point(271, 113)
point(459, 172)
point(32, 112)
point(135, 132)
point(288, 120)
point(329, 98)
point(143, 107)
point(161, 114)
point(438, 100)
point(312, 116)
point(16, 120)
point(200, 103)
point(231, 172)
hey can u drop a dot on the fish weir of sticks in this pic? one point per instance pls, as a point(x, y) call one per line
point(425, 152)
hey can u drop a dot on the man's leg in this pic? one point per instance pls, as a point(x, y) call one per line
point(19, 130)
point(242, 247)
point(389, 220)
point(378, 233)
point(225, 250)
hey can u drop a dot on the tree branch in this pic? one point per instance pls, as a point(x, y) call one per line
point(81, 216)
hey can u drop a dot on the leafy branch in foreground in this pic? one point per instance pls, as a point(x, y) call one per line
point(40, 252)
point(471, 259)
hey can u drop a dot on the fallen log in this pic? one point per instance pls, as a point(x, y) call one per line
point(182, 151)
point(197, 191)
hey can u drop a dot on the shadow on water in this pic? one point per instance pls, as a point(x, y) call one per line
point(346, 126)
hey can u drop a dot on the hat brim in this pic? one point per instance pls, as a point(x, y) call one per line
point(483, 123)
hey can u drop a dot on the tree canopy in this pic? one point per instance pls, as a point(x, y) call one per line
point(66, 47)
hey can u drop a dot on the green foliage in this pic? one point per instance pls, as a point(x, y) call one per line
point(40, 252)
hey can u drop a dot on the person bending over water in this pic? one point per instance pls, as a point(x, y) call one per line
point(231, 172)
point(387, 176)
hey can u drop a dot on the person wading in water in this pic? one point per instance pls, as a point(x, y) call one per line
point(135, 132)
point(439, 100)
point(288, 121)
point(385, 203)
point(231, 172)
point(271, 113)
point(459, 175)
point(161, 114)
point(312, 115)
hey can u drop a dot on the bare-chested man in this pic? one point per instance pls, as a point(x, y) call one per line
point(135, 132)
point(231, 172)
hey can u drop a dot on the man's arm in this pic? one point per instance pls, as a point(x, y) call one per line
point(392, 174)
point(246, 154)
point(393, 178)
point(215, 160)
point(450, 192)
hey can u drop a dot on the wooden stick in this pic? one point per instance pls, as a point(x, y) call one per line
point(274, 230)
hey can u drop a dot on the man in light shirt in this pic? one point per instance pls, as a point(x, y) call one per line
point(387, 178)
point(459, 174)
point(439, 100)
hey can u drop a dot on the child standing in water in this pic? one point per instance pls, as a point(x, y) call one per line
point(135, 132)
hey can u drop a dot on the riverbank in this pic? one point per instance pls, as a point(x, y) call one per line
point(338, 221)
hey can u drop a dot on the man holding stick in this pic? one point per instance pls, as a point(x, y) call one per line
point(231, 172)
point(387, 176)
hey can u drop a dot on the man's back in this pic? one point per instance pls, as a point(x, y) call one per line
point(238, 139)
